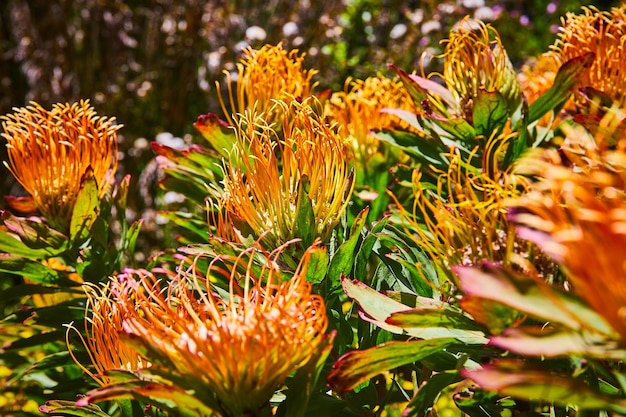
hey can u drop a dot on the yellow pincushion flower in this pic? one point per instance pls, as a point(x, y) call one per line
point(463, 220)
point(474, 59)
point(272, 179)
point(604, 34)
point(270, 73)
point(51, 150)
point(359, 109)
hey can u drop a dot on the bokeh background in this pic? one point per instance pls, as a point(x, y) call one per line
point(153, 64)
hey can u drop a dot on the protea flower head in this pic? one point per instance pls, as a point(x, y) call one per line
point(575, 213)
point(51, 150)
point(270, 73)
point(463, 221)
point(103, 326)
point(604, 34)
point(474, 59)
point(236, 348)
point(296, 184)
point(360, 108)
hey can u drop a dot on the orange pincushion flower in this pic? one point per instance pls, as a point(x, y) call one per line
point(575, 213)
point(51, 150)
point(238, 348)
point(270, 73)
point(103, 325)
point(360, 108)
point(271, 178)
point(604, 34)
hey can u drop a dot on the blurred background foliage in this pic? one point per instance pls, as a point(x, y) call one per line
point(153, 64)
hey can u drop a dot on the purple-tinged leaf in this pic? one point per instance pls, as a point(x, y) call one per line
point(69, 408)
point(532, 297)
point(549, 342)
point(376, 308)
point(543, 386)
point(435, 89)
point(358, 366)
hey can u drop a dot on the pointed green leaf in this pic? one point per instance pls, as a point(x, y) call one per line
point(494, 316)
point(542, 386)
point(318, 265)
point(567, 78)
point(35, 233)
point(522, 141)
point(550, 342)
point(358, 366)
point(491, 112)
point(407, 116)
point(304, 383)
point(27, 268)
point(69, 408)
point(427, 152)
point(342, 261)
point(375, 307)
point(428, 393)
point(86, 208)
point(167, 397)
point(305, 225)
point(426, 317)
point(217, 132)
point(365, 250)
point(529, 296)
point(457, 128)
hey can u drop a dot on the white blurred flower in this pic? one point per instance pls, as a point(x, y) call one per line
point(256, 33)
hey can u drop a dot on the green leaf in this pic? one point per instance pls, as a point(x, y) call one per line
point(532, 297)
point(28, 268)
point(407, 116)
point(10, 244)
point(164, 396)
point(23, 290)
point(36, 340)
point(376, 308)
point(69, 408)
point(86, 208)
point(417, 93)
point(304, 384)
point(428, 393)
point(35, 234)
point(567, 78)
point(407, 262)
point(365, 250)
point(493, 315)
point(188, 221)
point(425, 151)
point(342, 261)
point(552, 342)
point(543, 386)
point(522, 141)
point(491, 112)
point(318, 265)
point(428, 317)
point(358, 366)
point(217, 132)
point(305, 225)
